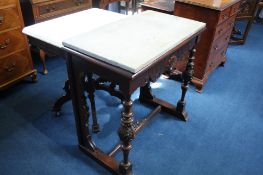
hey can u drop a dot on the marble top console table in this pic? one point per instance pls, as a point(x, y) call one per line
point(96, 47)
point(129, 61)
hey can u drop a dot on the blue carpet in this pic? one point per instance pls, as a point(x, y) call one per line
point(224, 135)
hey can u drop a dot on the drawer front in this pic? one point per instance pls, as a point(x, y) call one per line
point(9, 18)
point(224, 27)
point(220, 43)
point(216, 59)
point(7, 2)
point(11, 41)
point(224, 15)
point(235, 9)
point(53, 8)
point(13, 66)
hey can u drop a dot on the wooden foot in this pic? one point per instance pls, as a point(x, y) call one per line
point(42, 56)
point(63, 99)
point(34, 77)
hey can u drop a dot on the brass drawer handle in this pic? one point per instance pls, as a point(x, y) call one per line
point(50, 9)
point(1, 20)
point(10, 68)
point(78, 2)
point(5, 44)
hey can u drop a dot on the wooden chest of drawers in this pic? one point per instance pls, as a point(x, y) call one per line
point(211, 50)
point(15, 59)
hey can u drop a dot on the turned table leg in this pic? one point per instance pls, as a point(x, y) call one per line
point(91, 90)
point(126, 133)
point(42, 55)
point(187, 77)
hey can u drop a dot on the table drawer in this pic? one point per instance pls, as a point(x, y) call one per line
point(11, 41)
point(224, 27)
point(54, 8)
point(7, 2)
point(224, 15)
point(13, 66)
point(9, 18)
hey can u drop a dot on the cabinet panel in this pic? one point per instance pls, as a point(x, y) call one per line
point(13, 66)
point(7, 2)
point(15, 58)
point(11, 41)
point(9, 18)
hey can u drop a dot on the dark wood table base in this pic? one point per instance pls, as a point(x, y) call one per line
point(81, 81)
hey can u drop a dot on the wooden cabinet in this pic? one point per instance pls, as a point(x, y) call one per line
point(15, 59)
point(211, 50)
point(35, 11)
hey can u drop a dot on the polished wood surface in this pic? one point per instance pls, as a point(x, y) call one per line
point(165, 6)
point(211, 51)
point(212, 4)
point(35, 11)
point(15, 59)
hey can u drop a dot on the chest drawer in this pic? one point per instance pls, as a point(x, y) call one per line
point(9, 18)
point(224, 15)
point(224, 27)
point(14, 66)
point(58, 7)
point(7, 2)
point(220, 43)
point(11, 41)
point(216, 59)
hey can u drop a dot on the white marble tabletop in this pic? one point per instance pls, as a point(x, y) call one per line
point(56, 30)
point(135, 41)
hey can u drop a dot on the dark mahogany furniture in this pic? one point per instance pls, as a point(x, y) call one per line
point(164, 6)
point(35, 11)
point(219, 17)
point(247, 12)
point(82, 66)
point(15, 58)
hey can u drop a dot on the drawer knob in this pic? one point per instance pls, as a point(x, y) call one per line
point(10, 68)
point(5, 44)
point(225, 16)
point(216, 47)
point(1, 20)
